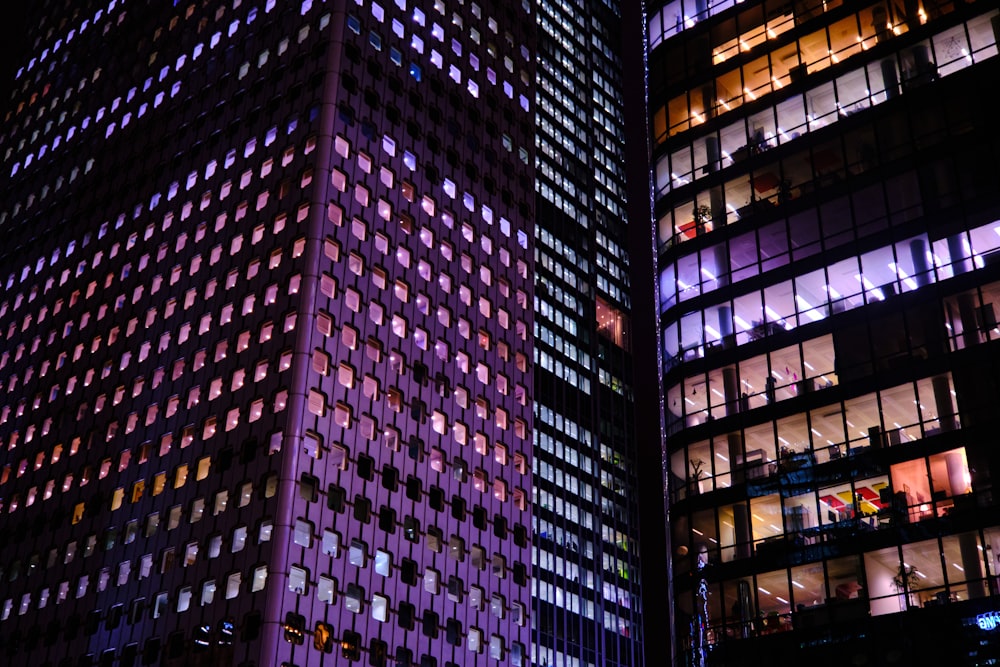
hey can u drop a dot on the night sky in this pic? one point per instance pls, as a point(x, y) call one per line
point(12, 40)
point(645, 387)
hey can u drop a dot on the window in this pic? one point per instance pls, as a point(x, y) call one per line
point(383, 562)
point(298, 580)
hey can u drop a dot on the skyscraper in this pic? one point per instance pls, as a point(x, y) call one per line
point(827, 217)
point(586, 607)
point(266, 315)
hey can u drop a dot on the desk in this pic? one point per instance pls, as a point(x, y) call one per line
point(756, 464)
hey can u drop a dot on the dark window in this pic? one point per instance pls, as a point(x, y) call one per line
point(411, 529)
point(366, 465)
point(404, 656)
point(390, 477)
point(151, 651)
point(413, 488)
point(479, 517)
point(309, 487)
point(135, 610)
point(93, 620)
point(415, 448)
point(453, 632)
point(129, 654)
point(175, 644)
point(335, 497)
point(499, 526)
point(225, 459)
point(408, 571)
point(114, 616)
point(249, 450)
point(377, 652)
point(430, 624)
point(387, 519)
point(458, 507)
point(405, 615)
point(251, 626)
point(435, 497)
point(362, 508)
point(520, 574)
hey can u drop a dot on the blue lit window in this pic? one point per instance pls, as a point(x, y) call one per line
point(354, 24)
point(375, 40)
point(395, 55)
point(415, 71)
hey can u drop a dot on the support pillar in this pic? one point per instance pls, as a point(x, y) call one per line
point(731, 389)
point(943, 403)
point(968, 545)
point(921, 267)
point(889, 78)
point(957, 248)
point(741, 529)
point(736, 463)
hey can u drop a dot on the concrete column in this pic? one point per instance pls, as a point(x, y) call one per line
point(722, 268)
point(968, 545)
point(889, 77)
point(970, 325)
point(925, 70)
point(725, 314)
point(712, 151)
point(717, 204)
point(942, 401)
point(741, 528)
point(960, 261)
point(956, 473)
point(736, 464)
point(921, 267)
point(731, 389)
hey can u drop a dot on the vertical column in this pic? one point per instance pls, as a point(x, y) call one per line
point(725, 314)
point(921, 267)
point(736, 463)
point(970, 325)
point(731, 389)
point(959, 251)
point(741, 529)
point(957, 472)
point(722, 269)
point(942, 401)
point(889, 78)
point(968, 546)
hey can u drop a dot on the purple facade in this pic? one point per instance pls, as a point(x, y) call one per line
point(265, 349)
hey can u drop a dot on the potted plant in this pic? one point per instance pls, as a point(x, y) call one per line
point(905, 580)
point(702, 219)
point(694, 481)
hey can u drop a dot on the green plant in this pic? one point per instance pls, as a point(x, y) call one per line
point(702, 216)
point(905, 579)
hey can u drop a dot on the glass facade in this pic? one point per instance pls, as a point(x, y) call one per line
point(826, 221)
point(266, 317)
point(586, 608)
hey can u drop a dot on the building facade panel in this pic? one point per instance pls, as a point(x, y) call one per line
point(825, 227)
point(267, 316)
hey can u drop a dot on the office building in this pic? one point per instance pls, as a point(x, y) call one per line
point(266, 334)
point(586, 577)
point(828, 220)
